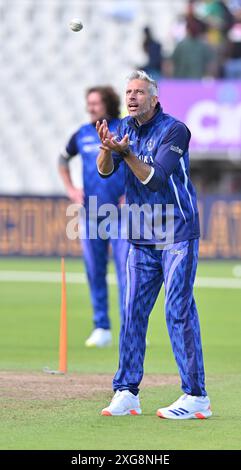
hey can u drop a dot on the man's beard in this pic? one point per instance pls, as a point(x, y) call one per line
point(142, 112)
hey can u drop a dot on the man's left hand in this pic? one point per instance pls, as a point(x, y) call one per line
point(113, 145)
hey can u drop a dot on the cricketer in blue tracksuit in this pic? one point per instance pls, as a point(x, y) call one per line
point(85, 142)
point(162, 142)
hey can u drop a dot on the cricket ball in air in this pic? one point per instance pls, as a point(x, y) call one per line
point(76, 25)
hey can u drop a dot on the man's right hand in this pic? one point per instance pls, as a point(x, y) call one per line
point(76, 195)
point(103, 133)
point(104, 161)
point(108, 140)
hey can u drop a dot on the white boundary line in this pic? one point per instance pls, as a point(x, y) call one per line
point(80, 278)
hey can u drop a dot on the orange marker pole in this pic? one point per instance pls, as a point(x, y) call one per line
point(63, 325)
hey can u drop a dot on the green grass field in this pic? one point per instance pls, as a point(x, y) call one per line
point(29, 325)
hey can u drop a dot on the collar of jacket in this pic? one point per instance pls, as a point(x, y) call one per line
point(132, 122)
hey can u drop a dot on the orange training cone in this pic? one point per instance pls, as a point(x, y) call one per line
point(63, 325)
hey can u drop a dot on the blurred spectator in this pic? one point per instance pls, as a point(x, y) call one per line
point(193, 58)
point(191, 18)
point(232, 66)
point(153, 49)
point(178, 29)
point(218, 18)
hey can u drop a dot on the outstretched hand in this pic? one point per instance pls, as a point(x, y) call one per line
point(108, 140)
point(103, 131)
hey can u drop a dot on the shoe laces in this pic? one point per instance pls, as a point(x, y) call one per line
point(117, 394)
point(186, 396)
point(180, 399)
point(183, 397)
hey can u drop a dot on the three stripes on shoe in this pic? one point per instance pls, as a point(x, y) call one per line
point(179, 411)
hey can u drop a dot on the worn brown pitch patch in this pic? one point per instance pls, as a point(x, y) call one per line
point(41, 386)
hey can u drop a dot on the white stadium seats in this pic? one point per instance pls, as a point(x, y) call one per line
point(46, 68)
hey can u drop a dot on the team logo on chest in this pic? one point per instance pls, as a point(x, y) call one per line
point(150, 144)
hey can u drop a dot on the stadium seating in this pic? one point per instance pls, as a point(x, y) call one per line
point(45, 69)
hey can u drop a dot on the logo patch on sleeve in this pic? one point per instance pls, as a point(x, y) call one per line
point(176, 149)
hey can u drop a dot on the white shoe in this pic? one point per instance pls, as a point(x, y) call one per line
point(123, 403)
point(99, 338)
point(187, 407)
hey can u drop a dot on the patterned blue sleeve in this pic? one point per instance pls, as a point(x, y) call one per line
point(172, 148)
point(71, 147)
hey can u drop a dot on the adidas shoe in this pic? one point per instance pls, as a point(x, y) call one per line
point(187, 407)
point(123, 403)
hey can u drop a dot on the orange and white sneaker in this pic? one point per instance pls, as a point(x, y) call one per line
point(187, 407)
point(123, 403)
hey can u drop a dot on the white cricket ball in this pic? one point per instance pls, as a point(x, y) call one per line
point(76, 25)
